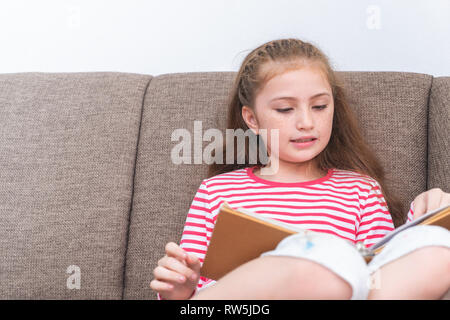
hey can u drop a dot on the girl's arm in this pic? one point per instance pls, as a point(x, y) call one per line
point(197, 232)
point(198, 229)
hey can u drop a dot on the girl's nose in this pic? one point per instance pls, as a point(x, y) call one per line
point(304, 120)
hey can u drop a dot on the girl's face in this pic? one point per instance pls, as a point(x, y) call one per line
point(299, 103)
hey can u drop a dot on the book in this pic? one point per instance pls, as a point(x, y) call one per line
point(240, 235)
point(439, 217)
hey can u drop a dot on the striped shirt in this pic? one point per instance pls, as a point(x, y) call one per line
point(343, 203)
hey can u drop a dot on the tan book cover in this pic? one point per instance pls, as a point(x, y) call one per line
point(240, 236)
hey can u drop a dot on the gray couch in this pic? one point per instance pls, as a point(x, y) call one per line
point(86, 177)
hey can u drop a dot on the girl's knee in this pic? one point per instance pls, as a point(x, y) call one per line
point(435, 255)
point(421, 274)
point(310, 280)
point(436, 258)
point(434, 263)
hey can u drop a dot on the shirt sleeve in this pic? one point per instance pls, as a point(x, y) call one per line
point(198, 229)
point(375, 219)
point(410, 216)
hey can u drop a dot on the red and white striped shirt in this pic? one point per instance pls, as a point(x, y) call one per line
point(343, 203)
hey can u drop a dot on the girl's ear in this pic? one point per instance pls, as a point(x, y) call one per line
point(250, 119)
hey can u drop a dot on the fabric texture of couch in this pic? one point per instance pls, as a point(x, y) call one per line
point(86, 177)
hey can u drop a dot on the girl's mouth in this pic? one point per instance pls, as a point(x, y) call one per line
point(304, 143)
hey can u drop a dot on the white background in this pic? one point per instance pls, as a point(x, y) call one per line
point(167, 36)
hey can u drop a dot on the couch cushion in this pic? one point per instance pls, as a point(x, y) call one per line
point(390, 105)
point(67, 156)
point(163, 191)
point(438, 135)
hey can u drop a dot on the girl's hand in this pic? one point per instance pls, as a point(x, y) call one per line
point(177, 274)
point(429, 201)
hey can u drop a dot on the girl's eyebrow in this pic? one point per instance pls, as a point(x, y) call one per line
point(293, 98)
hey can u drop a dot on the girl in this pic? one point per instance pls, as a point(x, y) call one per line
point(326, 179)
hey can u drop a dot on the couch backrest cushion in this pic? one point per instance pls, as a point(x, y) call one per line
point(439, 135)
point(67, 154)
point(163, 191)
point(391, 107)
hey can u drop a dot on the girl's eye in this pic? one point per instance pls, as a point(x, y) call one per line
point(288, 109)
point(284, 110)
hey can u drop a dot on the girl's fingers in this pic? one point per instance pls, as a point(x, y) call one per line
point(167, 275)
point(420, 206)
point(434, 198)
point(189, 265)
point(445, 200)
point(193, 262)
point(160, 285)
point(174, 250)
point(175, 265)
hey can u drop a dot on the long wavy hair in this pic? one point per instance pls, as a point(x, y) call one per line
point(346, 149)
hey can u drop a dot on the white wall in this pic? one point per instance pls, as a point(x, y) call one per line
point(156, 37)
